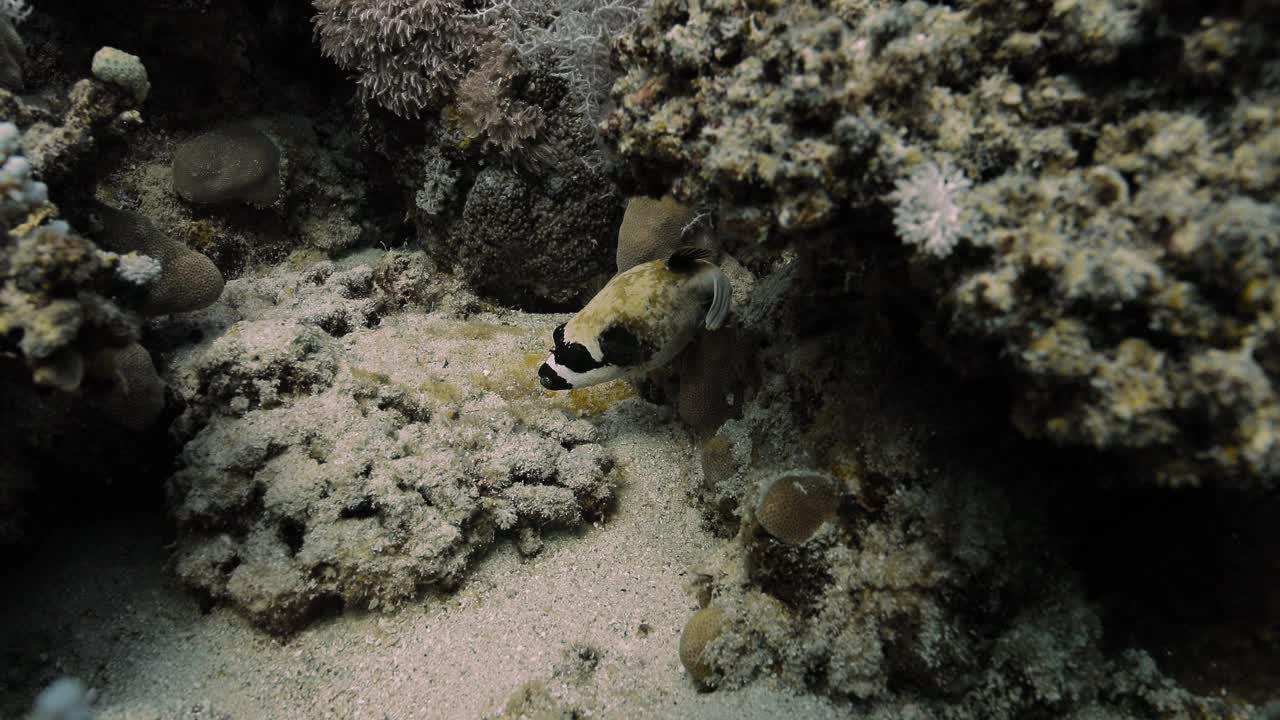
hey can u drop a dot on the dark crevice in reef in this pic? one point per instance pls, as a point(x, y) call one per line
point(1192, 576)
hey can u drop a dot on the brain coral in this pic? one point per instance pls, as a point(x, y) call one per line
point(794, 505)
point(652, 229)
point(136, 396)
point(703, 627)
point(188, 280)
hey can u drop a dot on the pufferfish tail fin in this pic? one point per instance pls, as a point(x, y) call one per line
point(721, 296)
point(685, 260)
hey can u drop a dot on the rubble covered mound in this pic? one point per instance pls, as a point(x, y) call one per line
point(342, 450)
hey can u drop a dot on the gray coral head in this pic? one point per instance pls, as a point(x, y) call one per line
point(236, 162)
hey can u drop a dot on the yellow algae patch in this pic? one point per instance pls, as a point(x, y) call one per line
point(441, 392)
point(370, 377)
point(594, 400)
point(512, 380)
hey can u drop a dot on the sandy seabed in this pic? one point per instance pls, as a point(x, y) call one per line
point(594, 620)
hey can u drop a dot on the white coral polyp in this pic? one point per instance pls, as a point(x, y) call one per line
point(927, 212)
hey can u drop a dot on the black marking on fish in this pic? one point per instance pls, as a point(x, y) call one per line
point(685, 260)
point(620, 346)
point(551, 380)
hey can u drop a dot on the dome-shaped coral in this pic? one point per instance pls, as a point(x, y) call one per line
point(653, 228)
point(703, 627)
point(711, 390)
point(237, 162)
point(795, 504)
point(136, 396)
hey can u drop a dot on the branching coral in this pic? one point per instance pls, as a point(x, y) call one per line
point(407, 55)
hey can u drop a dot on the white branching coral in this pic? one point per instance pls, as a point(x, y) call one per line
point(137, 268)
point(577, 34)
point(927, 211)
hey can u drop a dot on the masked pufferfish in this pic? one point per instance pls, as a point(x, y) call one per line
point(639, 321)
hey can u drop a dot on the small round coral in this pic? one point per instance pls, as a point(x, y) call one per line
point(795, 504)
point(118, 67)
point(702, 628)
point(237, 162)
point(136, 397)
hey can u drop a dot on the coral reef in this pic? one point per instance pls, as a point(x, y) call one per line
point(338, 453)
point(1100, 227)
point(873, 558)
